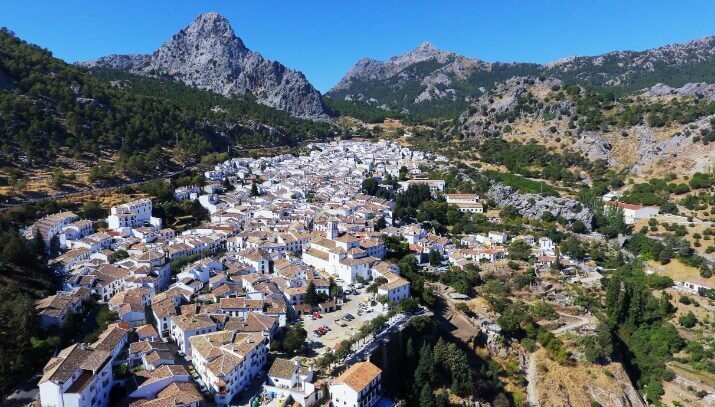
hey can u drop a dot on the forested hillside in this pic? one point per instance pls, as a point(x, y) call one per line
point(50, 109)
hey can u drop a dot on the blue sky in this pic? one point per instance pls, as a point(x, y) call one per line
point(324, 38)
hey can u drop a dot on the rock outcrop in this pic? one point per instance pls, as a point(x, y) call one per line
point(594, 146)
point(706, 90)
point(208, 55)
point(534, 206)
point(116, 61)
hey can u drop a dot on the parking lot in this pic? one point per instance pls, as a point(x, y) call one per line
point(334, 320)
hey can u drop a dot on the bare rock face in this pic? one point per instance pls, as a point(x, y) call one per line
point(534, 206)
point(207, 54)
point(593, 146)
point(707, 90)
point(368, 69)
point(652, 151)
point(619, 68)
point(435, 81)
point(505, 98)
point(115, 61)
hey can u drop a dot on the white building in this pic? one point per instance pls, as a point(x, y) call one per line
point(359, 386)
point(340, 256)
point(55, 309)
point(461, 198)
point(190, 192)
point(546, 245)
point(435, 185)
point(396, 288)
point(633, 213)
point(287, 378)
point(131, 215)
point(186, 326)
point(470, 207)
point(50, 226)
point(498, 237)
point(227, 361)
point(77, 377)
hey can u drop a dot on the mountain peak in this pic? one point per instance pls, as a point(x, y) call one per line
point(207, 54)
point(213, 21)
point(427, 46)
point(211, 25)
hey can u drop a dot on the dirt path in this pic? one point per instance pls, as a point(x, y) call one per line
point(452, 319)
point(582, 320)
point(531, 395)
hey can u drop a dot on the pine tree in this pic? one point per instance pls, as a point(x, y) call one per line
point(38, 243)
point(410, 349)
point(425, 372)
point(380, 224)
point(442, 399)
point(311, 296)
point(254, 189)
point(613, 296)
point(426, 397)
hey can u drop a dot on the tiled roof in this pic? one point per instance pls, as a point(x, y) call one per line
point(359, 376)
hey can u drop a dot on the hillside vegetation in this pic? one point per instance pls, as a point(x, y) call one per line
point(51, 110)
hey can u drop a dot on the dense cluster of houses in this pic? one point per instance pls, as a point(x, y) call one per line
point(221, 290)
point(287, 230)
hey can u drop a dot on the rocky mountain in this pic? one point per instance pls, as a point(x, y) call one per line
point(676, 64)
point(208, 55)
point(707, 90)
point(429, 82)
point(56, 111)
point(656, 131)
point(425, 81)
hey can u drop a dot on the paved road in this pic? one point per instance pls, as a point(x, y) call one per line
point(23, 394)
point(395, 324)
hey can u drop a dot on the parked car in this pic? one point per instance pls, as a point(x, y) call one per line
point(327, 328)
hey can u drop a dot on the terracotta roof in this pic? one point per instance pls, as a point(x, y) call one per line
point(75, 357)
point(193, 322)
point(282, 368)
point(359, 376)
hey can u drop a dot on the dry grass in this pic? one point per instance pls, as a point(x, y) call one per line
point(579, 385)
point(680, 272)
point(685, 394)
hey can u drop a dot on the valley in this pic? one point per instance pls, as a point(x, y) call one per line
point(199, 225)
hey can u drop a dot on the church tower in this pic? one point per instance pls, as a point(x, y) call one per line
point(331, 231)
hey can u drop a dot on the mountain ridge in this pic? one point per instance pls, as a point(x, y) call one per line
point(414, 81)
